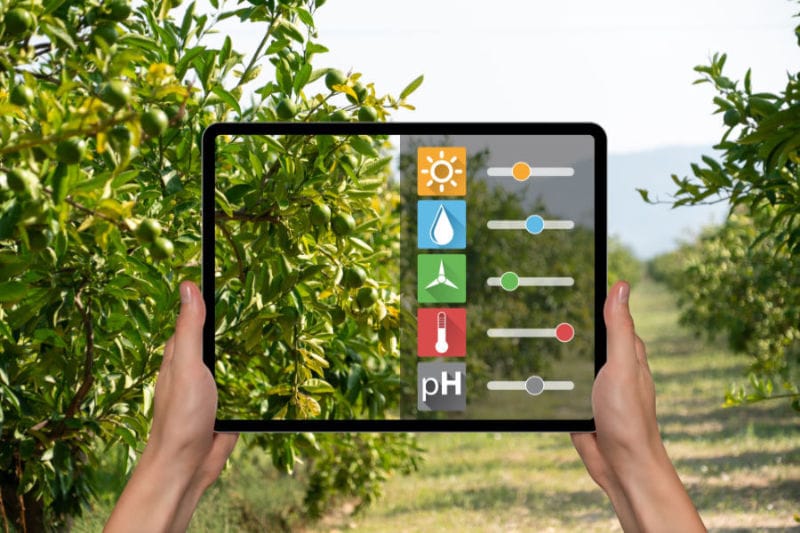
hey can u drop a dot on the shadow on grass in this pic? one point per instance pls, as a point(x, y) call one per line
point(436, 468)
point(744, 497)
point(503, 497)
point(726, 464)
point(778, 421)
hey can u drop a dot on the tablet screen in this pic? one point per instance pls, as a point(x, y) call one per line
point(404, 274)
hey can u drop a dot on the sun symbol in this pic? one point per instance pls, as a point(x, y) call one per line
point(441, 171)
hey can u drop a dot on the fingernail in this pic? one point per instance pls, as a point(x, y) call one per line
point(623, 293)
point(186, 294)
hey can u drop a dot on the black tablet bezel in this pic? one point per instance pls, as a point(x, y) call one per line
point(405, 128)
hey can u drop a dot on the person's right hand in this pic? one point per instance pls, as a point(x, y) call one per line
point(626, 456)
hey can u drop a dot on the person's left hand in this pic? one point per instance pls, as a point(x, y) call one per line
point(186, 399)
point(183, 455)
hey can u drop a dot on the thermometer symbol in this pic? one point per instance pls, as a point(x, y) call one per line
point(441, 332)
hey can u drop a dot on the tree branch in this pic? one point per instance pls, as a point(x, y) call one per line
point(247, 217)
point(87, 378)
point(263, 42)
point(239, 261)
point(66, 134)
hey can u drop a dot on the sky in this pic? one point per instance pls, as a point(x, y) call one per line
point(626, 65)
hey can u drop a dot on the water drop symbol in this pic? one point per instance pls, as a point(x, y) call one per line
point(441, 229)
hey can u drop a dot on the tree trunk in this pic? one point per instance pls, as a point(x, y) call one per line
point(22, 513)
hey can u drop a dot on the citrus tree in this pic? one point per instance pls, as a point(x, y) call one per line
point(101, 111)
point(741, 280)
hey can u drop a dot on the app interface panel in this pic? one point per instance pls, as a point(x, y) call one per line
point(405, 277)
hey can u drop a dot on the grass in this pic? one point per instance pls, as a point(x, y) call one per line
point(740, 465)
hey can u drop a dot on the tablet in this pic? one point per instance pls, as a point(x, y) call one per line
point(404, 276)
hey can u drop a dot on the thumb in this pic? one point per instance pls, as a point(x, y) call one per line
point(189, 328)
point(619, 325)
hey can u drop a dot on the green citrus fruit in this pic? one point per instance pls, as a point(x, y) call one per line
point(366, 296)
point(342, 224)
point(289, 317)
point(367, 114)
point(21, 95)
point(154, 122)
point(21, 180)
point(353, 277)
point(70, 151)
point(334, 77)
point(118, 10)
point(106, 32)
point(731, 117)
point(338, 116)
point(148, 230)
point(361, 93)
point(116, 93)
point(37, 239)
point(18, 21)
point(286, 109)
point(161, 248)
point(337, 316)
point(320, 214)
point(119, 137)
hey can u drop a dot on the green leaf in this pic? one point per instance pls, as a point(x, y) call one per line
point(286, 27)
point(57, 30)
point(12, 291)
point(363, 145)
point(301, 78)
point(411, 87)
point(315, 48)
point(305, 16)
point(317, 386)
point(228, 98)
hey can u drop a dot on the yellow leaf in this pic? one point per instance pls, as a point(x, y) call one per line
point(101, 142)
point(180, 90)
point(158, 72)
point(87, 222)
point(345, 89)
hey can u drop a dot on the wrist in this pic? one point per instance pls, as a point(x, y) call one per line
point(152, 496)
point(647, 482)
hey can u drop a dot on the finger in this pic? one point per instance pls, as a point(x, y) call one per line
point(586, 445)
point(189, 329)
point(619, 325)
point(641, 351)
point(169, 350)
point(223, 445)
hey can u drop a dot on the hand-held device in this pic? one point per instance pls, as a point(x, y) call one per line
point(404, 277)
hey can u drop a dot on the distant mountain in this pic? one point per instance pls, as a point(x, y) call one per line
point(653, 229)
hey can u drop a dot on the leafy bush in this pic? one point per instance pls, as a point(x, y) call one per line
point(622, 264)
point(741, 281)
point(749, 294)
point(101, 111)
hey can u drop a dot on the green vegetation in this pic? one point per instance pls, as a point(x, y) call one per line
point(622, 264)
point(741, 281)
point(101, 110)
